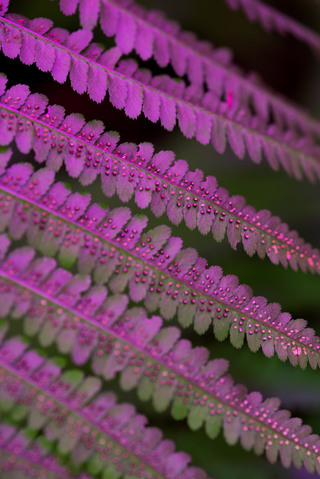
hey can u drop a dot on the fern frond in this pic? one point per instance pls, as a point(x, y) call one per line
point(198, 115)
point(85, 423)
point(119, 251)
point(23, 456)
point(271, 19)
point(166, 371)
point(154, 179)
point(70, 426)
point(151, 34)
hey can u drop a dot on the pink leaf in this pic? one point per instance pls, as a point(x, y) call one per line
point(28, 49)
point(134, 100)
point(24, 137)
point(73, 123)
point(253, 145)
point(187, 119)
point(236, 140)
point(125, 185)
point(177, 463)
point(144, 41)
point(110, 57)
point(40, 25)
point(89, 11)
point(270, 154)
point(11, 41)
point(179, 58)
point(35, 105)
point(195, 70)
point(58, 35)
point(74, 162)
point(126, 32)
point(175, 211)
point(144, 191)
point(118, 90)
point(128, 67)
point(42, 144)
point(7, 129)
point(54, 115)
point(161, 50)
point(110, 139)
point(218, 134)
point(168, 112)
point(92, 131)
point(219, 228)
point(151, 105)
point(44, 55)
point(162, 160)
point(203, 127)
point(61, 66)
point(93, 51)
point(79, 75)
point(79, 40)
point(97, 83)
point(109, 18)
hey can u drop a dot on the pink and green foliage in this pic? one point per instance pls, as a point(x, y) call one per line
point(89, 286)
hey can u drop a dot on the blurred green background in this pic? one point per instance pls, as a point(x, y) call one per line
point(289, 67)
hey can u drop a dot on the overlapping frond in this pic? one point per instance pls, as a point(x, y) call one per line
point(151, 34)
point(87, 424)
point(158, 180)
point(163, 369)
point(197, 114)
point(86, 314)
point(24, 456)
point(271, 19)
point(117, 249)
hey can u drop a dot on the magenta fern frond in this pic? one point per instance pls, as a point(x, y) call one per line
point(151, 34)
point(85, 423)
point(97, 285)
point(117, 250)
point(271, 19)
point(198, 390)
point(198, 115)
point(154, 179)
point(25, 456)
